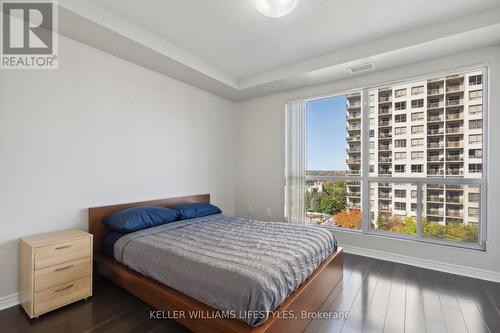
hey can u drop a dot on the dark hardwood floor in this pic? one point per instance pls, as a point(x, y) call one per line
point(379, 296)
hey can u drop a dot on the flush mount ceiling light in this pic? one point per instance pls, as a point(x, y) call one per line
point(276, 8)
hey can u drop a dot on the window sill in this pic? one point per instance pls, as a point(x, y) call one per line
point(404, 237)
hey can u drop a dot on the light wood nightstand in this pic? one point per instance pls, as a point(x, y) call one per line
point(55, 270)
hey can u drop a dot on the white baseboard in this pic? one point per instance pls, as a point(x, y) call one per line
point(425, 263)
point(9, 301)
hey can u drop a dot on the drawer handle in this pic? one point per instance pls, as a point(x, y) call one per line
point(63, 247)
point(63, 268)
point(65, 288)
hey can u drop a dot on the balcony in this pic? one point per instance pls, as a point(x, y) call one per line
point(385, 159)
point(386, 196)
point(435, 186)
point(353, 149)
point(435, 212)
point(353, 105)
point(385, 147)
point(353, 161)
point(454, 144)
point(354, 138)
point(385, 208)
point(454, 130)
point(433, 105)
point(457, 158)
point(353, 127)
point(353, 95)
point(354, 172)
point(454, 199)
point(386, 185)
point(435, 118)
point(384, 99)
point(455, 213)
point(384, 135)
point(384, 123)
point(435, 158)
point(452, 102)
point(384, 171)
point(454, 88)
point(435, 91)
point(455, 172)
point(435, 145)
point(434, 198)
point(354, 116)
point(384, 111)
point(354, 194)
point(435, 172)
point(435, 131)
point(454, 116)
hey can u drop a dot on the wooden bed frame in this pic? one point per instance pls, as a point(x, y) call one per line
point(287, 318)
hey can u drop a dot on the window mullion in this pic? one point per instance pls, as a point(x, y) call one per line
point(365, 161)
point(420, 207)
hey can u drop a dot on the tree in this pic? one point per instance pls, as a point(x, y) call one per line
point(350, 219)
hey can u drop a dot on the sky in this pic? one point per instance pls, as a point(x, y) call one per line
point(326, 134)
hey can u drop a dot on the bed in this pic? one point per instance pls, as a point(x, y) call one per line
point(210, 271)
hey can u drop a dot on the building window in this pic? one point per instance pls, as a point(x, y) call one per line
point(473, 197)
point(417, 116)
point(416, 168)
point(417, 129)
point(475, 153)
point(400, 205)
point(475, 109)
point(417, 155)
point(400, 156)
point(475, 95)
point(417, 91)
point(475, 168)
point(417, 103)
point(475, 138)
point(400, 143)
point(400, 193)
point(400, 130)
point(400, 93)
point(445, 160)
point(399, 168)
point(400, 106)
point(475, 80)
point(475, 124)
point(473, 212)
point(400, 118)
point(417, 142)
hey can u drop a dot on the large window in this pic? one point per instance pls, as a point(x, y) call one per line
point(371, 171)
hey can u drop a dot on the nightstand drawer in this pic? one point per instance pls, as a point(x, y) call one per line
point(58, 274)
point(62, 294)
point(62, 252)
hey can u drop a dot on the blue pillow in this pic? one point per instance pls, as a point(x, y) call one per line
point(193, 210)
point(134, 219)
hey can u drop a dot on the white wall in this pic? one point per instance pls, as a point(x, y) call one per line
point(260, 159)
point(97, 131)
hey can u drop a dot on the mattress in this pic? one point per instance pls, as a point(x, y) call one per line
point(242, 267)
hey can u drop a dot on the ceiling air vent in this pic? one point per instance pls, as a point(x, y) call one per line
point(362, 68)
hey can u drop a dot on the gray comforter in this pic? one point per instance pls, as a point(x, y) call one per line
point(243, 267)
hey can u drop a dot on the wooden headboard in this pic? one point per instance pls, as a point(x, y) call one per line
point(96, 214)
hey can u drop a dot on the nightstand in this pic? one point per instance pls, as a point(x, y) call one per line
point(55, 270)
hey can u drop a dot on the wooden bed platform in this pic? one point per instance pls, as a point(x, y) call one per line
point(287, 318)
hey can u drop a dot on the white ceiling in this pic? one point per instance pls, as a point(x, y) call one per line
point(234, 37)
point(228, 48)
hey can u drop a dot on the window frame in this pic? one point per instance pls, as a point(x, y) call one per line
point(366, 179)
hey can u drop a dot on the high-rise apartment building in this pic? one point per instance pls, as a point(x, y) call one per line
point(430, 128)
